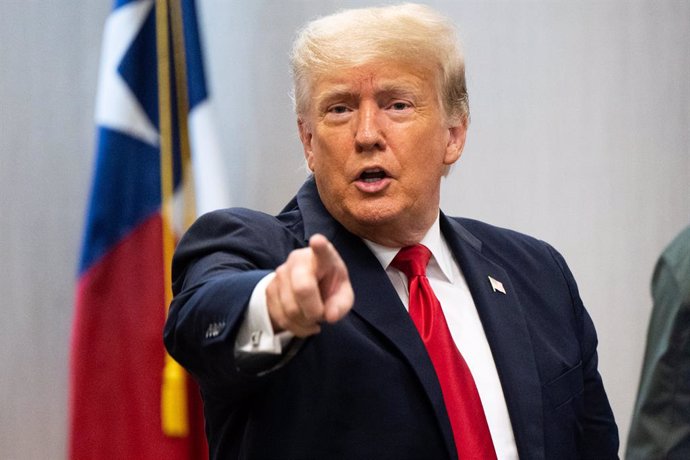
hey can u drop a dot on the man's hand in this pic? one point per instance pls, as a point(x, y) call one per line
point(311, 287)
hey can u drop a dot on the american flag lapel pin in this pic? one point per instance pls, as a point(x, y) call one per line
point(496, 285)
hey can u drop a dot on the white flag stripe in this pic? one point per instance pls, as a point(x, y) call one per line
point(210, 181)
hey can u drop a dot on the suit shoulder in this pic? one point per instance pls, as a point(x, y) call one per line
point(523, 252)
point(245, 236)
point(245, 224)
point(492, 235)
point(530, 262)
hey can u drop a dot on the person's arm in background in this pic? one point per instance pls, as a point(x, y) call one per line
point(660, 426)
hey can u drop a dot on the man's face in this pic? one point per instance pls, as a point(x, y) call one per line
point(376, 138)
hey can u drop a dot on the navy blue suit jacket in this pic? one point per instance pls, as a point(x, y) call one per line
point(365, 386)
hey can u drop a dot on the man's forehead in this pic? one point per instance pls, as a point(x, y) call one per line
point(385, 78)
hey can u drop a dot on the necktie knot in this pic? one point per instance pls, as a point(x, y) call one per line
point(412, 260)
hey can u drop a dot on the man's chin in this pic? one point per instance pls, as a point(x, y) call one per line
point(374, 216)
point(372, 224)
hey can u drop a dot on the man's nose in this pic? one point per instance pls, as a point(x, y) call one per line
point(368, 130)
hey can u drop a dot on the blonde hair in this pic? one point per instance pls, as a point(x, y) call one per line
point(408, 32)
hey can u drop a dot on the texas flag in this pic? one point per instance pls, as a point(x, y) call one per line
point(121, 406)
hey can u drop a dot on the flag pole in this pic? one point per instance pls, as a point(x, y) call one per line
point(174, 416)
point(181, 92)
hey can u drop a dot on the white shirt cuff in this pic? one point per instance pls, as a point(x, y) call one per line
point(256, 333)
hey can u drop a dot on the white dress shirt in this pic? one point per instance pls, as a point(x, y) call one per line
point(449, 285)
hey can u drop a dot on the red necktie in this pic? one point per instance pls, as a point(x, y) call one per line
point(465, 411)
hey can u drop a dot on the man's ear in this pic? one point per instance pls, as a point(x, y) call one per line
point(305, 136)
point(456, 142)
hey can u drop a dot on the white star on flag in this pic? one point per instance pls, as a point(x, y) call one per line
point(116, 107)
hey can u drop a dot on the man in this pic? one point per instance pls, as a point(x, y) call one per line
point(297, 326)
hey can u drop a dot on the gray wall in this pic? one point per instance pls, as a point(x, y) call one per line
point(49, 53)
point(580, 135)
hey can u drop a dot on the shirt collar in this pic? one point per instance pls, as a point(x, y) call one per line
point(440, 253)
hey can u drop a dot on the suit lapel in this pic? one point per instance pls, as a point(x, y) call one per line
point(506, 330)
point(376, 301)
point(378, 304)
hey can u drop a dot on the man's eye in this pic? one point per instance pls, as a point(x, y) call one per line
point(399, 105)
point(338, 109)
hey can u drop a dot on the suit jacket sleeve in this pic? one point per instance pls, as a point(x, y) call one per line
point(215, 268)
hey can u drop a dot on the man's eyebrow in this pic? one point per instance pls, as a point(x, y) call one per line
point(345, 92)
point(334, 93)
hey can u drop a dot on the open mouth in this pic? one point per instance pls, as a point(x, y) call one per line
point(372, 175)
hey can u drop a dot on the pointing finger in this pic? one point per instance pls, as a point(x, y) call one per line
point(305, 289)
point(333, 278)
point(326, 257)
